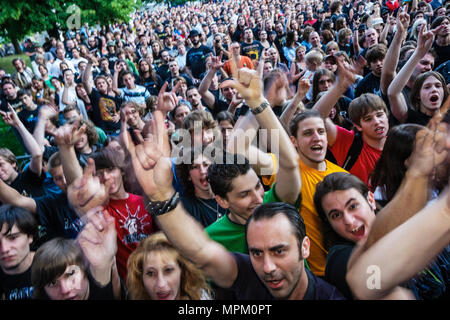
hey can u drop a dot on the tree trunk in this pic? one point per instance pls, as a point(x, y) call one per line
point(16, 45)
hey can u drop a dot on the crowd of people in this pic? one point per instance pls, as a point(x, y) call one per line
point(150, 173)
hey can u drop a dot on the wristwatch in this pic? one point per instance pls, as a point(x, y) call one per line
point(261, 107)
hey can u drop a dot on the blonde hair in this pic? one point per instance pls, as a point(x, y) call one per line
point(193, 283)
point(314, 56)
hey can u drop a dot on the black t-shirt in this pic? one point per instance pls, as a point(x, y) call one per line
point(336, 267)
point(16, 104)
point(195, 59)
point(57, 217)
point(29, 184)
point(248, 286)
point(29, 118)
point(205, 211)
point(104, 107)
point(252, 50)
point(97, 292)
point(151, 85)
point(417, 117)
point(163, 71)
point(442, 53)
point(370, 84)
point(16, 286)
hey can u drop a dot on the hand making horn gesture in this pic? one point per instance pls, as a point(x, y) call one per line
point(247, 82)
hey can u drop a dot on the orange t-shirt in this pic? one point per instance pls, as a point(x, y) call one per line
point(245, 62)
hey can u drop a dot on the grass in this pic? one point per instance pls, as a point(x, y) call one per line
point(7, 137)
point(6, 62)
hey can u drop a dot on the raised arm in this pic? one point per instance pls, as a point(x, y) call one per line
point(327, 101)
point(249, 85)
point(98, 241)
point(398, 104)
point(403, 252)
point(87, 74)
point(154, 173)
point(207, 96)
point(414, 191)
point(45, 113)
point(65, 137)
point(288, 113)
point(115, 85)
point(31, 145)
point(10, 196)
point(393, 53)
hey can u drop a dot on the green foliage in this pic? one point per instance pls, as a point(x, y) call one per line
point(6, 62)
point(21, 18)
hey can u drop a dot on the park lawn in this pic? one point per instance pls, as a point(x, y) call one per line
point(6, 62)
point(8, 139)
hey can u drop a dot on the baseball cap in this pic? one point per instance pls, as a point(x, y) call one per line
point(193, 33)
point(377, 21)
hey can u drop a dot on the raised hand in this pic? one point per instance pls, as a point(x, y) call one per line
point(150, 159)
point(429, 149)
point(216, 62)
point(68, 134)
point(47, 112)
point(247, 82)
point(167, 101)
point(303, 85)
point(403, 20)
point(98, 239)
point(88, 192)
point(425, 39)
point(10, 117)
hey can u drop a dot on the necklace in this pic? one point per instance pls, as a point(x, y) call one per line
point(219, 214)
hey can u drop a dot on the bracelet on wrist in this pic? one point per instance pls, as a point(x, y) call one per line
point(261, 107)
point(157, 208)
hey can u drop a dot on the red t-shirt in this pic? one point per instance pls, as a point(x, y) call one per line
point(133, 223)
point(366, 160)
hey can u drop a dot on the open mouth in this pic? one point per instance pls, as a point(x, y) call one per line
point(434, 98)
point(274, 284)
point(379, 130)
point(317, 148)
point(359, 231)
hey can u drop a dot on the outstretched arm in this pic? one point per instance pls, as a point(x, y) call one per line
point(98, 241)
point(65, 137)
point(328, 101)
point(249, 85)
point(414, 192)
point(403, 252)
point(31, 145)
point(393, 53)
point(154, 173)
point(398, 104)
point(87, 74)
point(288, 113)
point(207, 96)
point(10, 196)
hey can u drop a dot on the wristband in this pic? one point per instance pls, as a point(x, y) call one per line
point(261, 107)
point(157, 208)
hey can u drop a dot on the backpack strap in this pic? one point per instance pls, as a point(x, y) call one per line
point(354, 152)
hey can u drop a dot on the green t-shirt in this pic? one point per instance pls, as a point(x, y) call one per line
point(232, 235)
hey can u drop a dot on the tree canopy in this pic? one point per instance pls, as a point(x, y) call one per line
point(21, 18)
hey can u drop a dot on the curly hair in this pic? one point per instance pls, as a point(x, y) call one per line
point(193, 282)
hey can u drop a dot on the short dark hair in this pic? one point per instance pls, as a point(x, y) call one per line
point(299, 117)
point(376, 52)
point(270, 210)
point(23, 219)
point(335, 182)
point(23, 92)
point(221, 175)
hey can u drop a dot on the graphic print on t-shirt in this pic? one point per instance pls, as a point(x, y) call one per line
point(133, 224)
point(107, 108)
